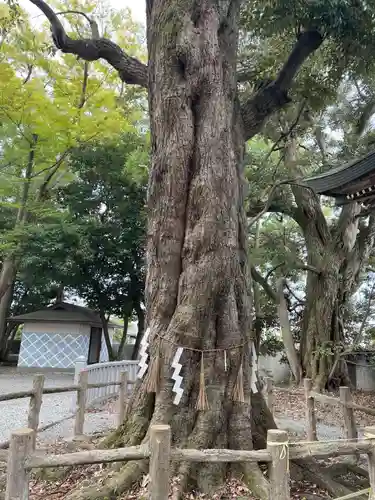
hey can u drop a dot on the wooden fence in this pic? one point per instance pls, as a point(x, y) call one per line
point(108, 372)
point(22, 458)
point(38, 390)
point(344, 400)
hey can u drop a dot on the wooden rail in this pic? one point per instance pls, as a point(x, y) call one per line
point(22, 458)
point(53, 390)
point(344, 400)
point(36, 397)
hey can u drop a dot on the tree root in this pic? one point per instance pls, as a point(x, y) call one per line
point(357, 470)
point(114, 485)
point(314, 473)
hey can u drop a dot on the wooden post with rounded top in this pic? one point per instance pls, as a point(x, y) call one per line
point(278, 447)
point(310, 411)
point(21, 445)
point(35, 405)
point(123, 396)
point(81, 403)
point(349, 417)
point(160, 455)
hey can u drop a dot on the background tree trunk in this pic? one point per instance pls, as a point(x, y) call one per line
point(141, 328)
point(5, 303)
point(107, 338)
point(123, 337)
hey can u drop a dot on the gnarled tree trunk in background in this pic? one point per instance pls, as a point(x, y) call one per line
point(5, 303)
point(337, 253)
point(120, 352)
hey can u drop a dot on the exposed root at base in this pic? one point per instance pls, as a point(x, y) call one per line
point(114, 485)
point(314, 473)
point(255, 480)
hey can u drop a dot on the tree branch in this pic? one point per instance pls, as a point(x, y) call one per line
point(274, 96)
point(255, 274)
point(129, 68)
point(28, 76)
point(92, 22)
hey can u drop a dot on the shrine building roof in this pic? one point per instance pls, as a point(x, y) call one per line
point(354, 181)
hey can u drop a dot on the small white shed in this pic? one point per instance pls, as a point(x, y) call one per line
point(53, 338)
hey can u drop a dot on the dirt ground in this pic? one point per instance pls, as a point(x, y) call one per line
point(58, 483)
point(292, 405)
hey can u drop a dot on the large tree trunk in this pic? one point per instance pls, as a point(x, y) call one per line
point(321, 332)
point(197, 288)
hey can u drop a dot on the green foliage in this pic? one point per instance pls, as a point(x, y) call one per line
point(270, 345)
point(48, 109)
point(270, 30)
point(97, 249)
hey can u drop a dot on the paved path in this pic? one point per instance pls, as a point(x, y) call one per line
point(13, 414)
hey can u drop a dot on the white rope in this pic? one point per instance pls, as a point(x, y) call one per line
point(284, 449)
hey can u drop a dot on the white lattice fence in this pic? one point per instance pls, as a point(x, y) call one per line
point(106, 372)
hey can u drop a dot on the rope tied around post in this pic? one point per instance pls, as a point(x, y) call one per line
point(278, 448)
point(284, 449)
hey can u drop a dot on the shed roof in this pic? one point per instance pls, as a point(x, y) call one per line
point(353, 181)
point(65, 313)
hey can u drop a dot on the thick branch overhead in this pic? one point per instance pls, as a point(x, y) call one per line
point(274, 96)
point(129, 68)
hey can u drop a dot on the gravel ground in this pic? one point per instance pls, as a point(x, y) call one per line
point(13, 414)
point(290, 411)
point(298, 427)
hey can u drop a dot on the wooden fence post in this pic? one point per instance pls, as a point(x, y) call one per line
point(269, 394)
point(81, 403)
point(277, 445)
point(369, 433)
point(35, 405)
point(123, 396)
point(21, 445)
point(349, 418)
point(160, 452)
point(310, 411)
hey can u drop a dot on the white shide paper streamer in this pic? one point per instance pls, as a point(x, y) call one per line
point(142, 365)
point(254, 371)
point(176, 365)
